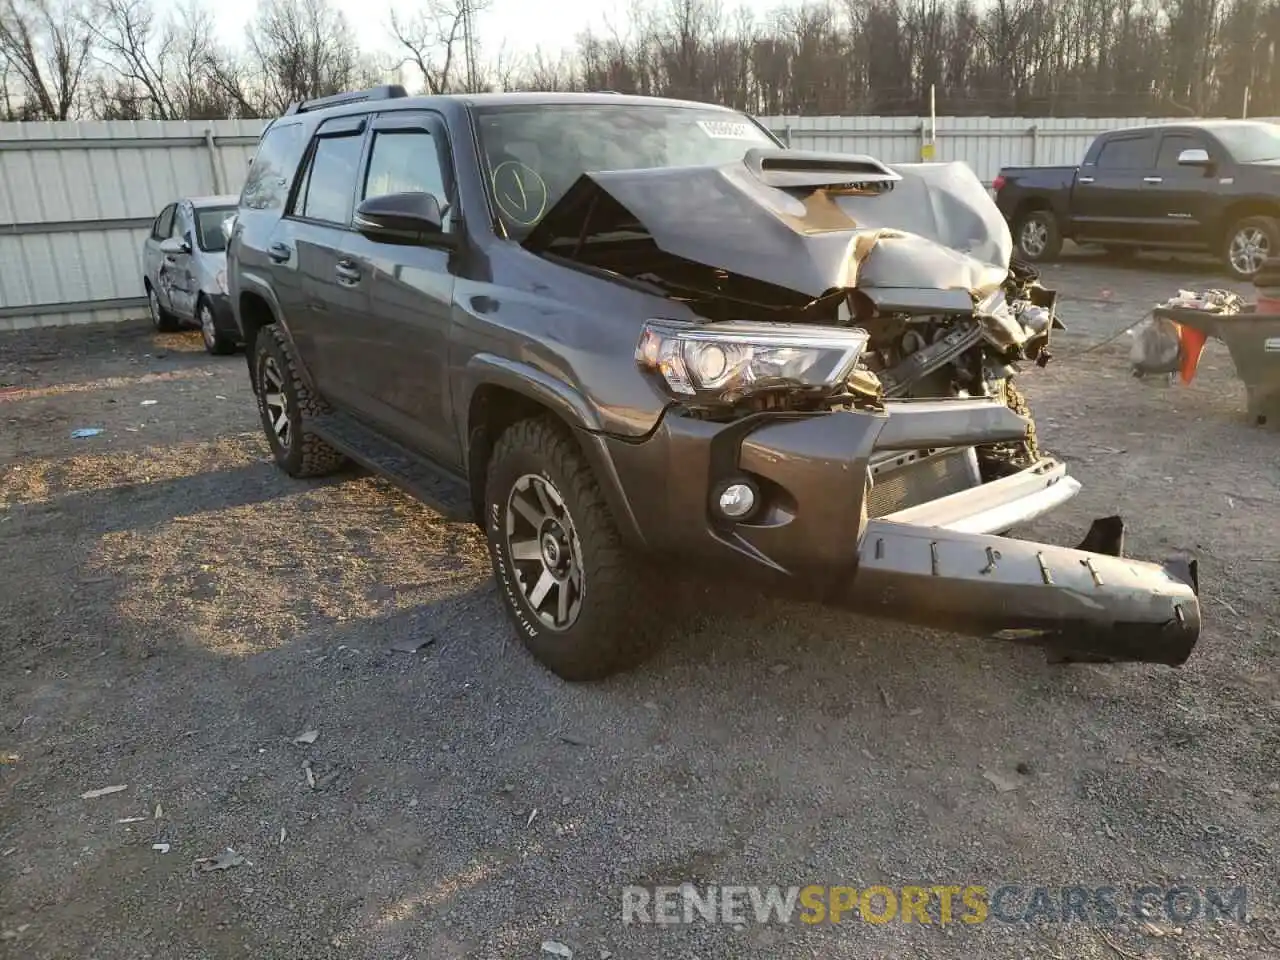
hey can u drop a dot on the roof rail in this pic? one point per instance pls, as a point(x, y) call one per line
point(389, 91)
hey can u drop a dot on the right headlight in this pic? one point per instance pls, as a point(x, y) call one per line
point(724, 362)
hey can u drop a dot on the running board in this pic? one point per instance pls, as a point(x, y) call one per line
point(1079, 605)
point(421, 478)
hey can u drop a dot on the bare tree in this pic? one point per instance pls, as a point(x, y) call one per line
point(45, 49)
point(303, 49)
point(432, 40)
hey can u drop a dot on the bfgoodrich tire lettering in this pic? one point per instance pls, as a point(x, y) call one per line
point(611, 630)
point(285, 404)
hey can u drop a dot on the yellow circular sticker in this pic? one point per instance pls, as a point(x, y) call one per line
point(520, 192)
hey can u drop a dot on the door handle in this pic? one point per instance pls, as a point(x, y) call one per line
point(1153, 179)
point(347, 272)
point(1084, 179)
point(279, 252)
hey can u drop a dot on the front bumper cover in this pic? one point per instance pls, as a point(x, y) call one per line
point(938, 564)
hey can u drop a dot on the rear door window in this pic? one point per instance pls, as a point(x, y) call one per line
point(1128, 153)
point(327, 190)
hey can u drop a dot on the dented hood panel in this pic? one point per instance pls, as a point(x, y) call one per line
point(937, 228)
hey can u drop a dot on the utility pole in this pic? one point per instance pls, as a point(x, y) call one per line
point(467, 14)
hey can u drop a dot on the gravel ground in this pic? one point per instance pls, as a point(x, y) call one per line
point(176, 612)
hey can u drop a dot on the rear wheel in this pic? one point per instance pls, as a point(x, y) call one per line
point(286, 404)
point(573, 591)
point(1037, 236)
point(161, 319)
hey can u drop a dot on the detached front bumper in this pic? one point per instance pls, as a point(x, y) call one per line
point(936, 564)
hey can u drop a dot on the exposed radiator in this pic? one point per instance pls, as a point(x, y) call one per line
point(904, 480)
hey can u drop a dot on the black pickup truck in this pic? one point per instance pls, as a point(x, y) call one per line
point(1210, 186)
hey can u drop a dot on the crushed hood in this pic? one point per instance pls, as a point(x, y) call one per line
point(806, 222)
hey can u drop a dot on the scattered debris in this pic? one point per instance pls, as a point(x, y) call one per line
point(132, 820)
point(161, 847)
point(218, 396)
point(412, 644)
point(556, 949)
point(307, 736)
point(532, 813)
point(5, 853)
point(1120, 950)
point(83, 432)
point(778, 669)
point(916, 712)
point(1023, 768)
point(884, 695)
point(159, 812)
point(311, 777)
point(148, 403)
point(103, 791)
point(1002, 783)
point(283, 834)
point(223, 861)
point(574, 741)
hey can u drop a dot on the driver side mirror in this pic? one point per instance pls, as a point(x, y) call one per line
point(413, 217)
point(174, 246)
point(1195, 157)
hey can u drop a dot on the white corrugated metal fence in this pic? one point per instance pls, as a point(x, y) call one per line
point(76, 199)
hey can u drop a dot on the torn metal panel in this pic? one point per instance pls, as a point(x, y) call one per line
point(834, 224)
point(1081, 605)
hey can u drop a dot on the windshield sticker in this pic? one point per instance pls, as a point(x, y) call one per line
point(729, 130)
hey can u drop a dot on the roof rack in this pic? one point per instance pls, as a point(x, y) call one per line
point(389, 91)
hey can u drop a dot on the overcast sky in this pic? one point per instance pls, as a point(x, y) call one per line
point(523, 24)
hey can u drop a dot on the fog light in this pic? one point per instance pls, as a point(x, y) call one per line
point(737, 500)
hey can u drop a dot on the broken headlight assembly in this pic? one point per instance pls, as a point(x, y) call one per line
point(725, 362)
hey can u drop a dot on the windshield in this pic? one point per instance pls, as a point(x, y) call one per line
point(209, 234)
point(1249, 143)
point(534, 153)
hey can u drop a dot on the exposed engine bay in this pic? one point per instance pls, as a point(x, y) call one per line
point(918, 257)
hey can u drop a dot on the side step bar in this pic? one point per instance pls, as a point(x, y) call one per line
point(1080, 605)
point(417, 476)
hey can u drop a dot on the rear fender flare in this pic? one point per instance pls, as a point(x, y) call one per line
point(250, 284)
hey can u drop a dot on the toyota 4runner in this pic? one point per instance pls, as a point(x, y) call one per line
point(612, 329)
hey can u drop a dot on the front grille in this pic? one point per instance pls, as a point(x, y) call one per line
point(908, 479)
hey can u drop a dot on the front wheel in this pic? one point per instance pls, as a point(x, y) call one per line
point(570, 587)
point(1037, 235)
point(1249, 243)
point(215, 341)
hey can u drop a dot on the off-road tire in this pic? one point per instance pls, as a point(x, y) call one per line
point(1269, 226)
point(1052, 245)
point(221, 343)
point(161, 319)
point(616, 627)
point(305, 454)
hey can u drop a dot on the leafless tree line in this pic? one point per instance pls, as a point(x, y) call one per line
point(138, 59)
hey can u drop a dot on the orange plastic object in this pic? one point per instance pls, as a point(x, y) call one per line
point(1193, 342)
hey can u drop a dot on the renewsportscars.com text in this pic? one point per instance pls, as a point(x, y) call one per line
point(930, 904)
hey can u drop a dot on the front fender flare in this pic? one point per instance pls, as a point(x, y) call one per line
point(566, 402)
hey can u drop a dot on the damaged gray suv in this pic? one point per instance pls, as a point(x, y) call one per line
point(618, 330)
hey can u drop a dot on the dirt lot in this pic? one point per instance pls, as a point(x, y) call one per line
point(175, 612)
